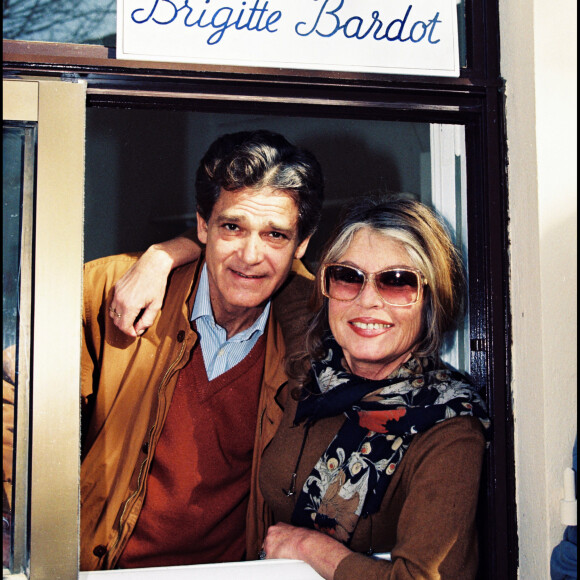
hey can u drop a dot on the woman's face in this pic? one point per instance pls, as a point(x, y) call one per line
point(376, 338)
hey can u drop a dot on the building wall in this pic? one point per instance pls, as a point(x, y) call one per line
point(538, 60)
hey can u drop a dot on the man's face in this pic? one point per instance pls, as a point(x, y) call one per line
point(251, 238)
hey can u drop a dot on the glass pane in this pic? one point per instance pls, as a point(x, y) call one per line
point(17, 181)
point(80, 22)
point(449, 196)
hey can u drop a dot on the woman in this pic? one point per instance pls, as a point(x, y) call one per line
point(381, 445)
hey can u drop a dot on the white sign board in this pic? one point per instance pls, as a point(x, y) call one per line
point(376, 36)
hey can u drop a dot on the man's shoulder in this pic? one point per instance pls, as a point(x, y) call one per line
point(296, 290)
point(103, 273)
point(301, 271)
point(291, 306)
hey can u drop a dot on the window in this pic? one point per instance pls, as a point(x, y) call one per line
point(473, 103)
point(19, 151)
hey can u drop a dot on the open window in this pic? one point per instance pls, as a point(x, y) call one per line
point(438, 139)
point(140, 173)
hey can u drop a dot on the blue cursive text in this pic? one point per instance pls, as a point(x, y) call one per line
point(219, 20)
point(328, 22)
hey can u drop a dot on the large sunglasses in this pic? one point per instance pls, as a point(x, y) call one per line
point(395, 286)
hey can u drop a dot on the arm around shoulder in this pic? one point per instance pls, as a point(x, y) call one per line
point(139, 293)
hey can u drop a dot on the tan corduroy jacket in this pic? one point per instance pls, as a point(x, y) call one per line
point(127, 385)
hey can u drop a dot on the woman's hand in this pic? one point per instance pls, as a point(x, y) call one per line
point(138, 295)
point(315, 548)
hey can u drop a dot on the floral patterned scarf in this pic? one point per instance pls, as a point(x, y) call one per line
point(351, 477)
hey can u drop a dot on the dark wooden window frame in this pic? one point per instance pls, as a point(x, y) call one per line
point(475, 99)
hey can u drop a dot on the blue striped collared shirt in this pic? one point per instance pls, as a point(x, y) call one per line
point(219, 353)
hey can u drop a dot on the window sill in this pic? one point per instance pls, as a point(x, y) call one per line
point(279, 569)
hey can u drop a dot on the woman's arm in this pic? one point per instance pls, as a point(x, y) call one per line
point(319, 550)
point(435, 534)
point(434, 515)
point(138, 295)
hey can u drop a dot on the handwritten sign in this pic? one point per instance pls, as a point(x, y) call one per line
point(377, 36)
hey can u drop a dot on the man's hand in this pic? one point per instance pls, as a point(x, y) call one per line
point(138, 295)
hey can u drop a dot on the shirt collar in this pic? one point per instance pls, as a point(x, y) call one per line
point(202, 309)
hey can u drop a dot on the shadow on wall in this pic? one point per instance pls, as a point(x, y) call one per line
point(140, 172)
point(351, 168)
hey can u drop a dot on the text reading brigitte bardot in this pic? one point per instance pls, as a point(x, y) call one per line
point(321, 18)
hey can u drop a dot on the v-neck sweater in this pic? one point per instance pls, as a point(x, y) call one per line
point(198, 489)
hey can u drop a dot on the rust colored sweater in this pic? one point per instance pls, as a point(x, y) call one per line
point(199, 485)
point(427, 517)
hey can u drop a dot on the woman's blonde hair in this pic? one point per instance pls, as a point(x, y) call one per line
point(431, 249)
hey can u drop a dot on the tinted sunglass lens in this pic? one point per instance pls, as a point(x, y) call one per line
point(398, 279)
point(398, 287)
point(343, 283)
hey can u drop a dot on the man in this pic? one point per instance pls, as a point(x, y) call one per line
point(176, 417)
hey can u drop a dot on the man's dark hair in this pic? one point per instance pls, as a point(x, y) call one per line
point(258, 159)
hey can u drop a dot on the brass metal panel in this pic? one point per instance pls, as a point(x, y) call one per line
point(54, 477)
point(20, 101)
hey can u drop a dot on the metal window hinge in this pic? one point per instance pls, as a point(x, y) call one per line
point(70, 77)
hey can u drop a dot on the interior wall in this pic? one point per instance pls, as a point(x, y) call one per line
point(141, 164)
point(538, 47)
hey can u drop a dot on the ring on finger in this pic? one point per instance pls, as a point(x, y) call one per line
point(262, 554)
point(113, 311)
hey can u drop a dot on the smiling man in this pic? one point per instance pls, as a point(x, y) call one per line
point(251, 238)
point(175, 419)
